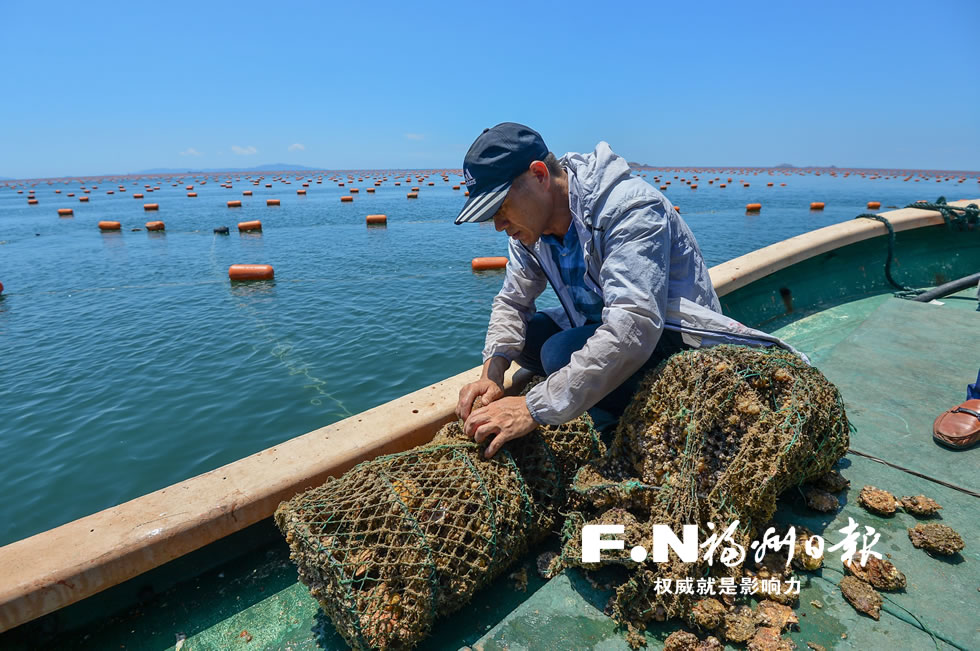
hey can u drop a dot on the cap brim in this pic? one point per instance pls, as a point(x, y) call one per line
point(481, 207)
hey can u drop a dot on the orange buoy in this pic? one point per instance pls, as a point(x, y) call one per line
point(415, 189)
point(466, 194)
point(347, 198)
point(485, 264)
point(722, 185)
point(251, 271)
point(189, 187)
point(192, 194)
point(235, 204)
point(32, 202)
point(354, 190)
point(136, 195)
point(83, 199)
point(109, 226)
point(1, 288)
point(376, 219)
point(874, 204)
point(413, 195)
point(694, 186)
point(272, 202)
point(301, 192)
point(250, 226)
point(816, 205)
point(151, 206)
point(753, 207)
point(677, 208)
point(455, 187)
point(154, 226)
point(371, 190)
point(65, 212)
point(246, 193)
point(70, 194)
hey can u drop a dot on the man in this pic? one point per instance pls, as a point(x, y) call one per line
point(628, 273)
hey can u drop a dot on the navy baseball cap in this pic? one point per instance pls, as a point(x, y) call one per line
point(497, 157)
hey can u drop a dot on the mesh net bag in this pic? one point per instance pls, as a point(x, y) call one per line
point(402, 539)
point(713, 435)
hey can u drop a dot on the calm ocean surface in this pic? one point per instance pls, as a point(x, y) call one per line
point(128, 361)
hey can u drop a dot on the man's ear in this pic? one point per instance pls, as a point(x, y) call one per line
point(540, 173)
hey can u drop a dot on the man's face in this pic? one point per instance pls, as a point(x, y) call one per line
point(525, 212)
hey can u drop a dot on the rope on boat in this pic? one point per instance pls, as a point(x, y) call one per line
point(903, 291)
point(951, 214)
point(969, 215)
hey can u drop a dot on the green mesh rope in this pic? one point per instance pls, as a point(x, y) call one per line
point(408, 537)
point(715, 435)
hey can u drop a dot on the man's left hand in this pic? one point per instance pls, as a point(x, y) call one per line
point(504, 419)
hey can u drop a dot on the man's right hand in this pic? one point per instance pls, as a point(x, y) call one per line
point(484, 388)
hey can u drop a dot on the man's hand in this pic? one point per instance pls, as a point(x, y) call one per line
point(505, 419)
point(484, 388)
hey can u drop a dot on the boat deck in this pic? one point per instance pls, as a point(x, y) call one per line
point(898, 365)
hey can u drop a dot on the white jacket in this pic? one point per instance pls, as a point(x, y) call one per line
point(642, 259)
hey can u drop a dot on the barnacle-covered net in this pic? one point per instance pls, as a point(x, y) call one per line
point(713, 435)
point(402, 539)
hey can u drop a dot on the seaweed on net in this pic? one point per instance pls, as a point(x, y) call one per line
point(402, 539)
point(713, 435)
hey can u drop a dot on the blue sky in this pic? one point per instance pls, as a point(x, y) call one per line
point(100, 88)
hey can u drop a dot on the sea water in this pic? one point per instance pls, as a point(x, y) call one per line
point(128, 361)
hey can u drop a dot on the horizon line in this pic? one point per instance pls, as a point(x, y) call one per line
point(457, 170)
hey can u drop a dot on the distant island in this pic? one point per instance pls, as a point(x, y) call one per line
point(272, 167)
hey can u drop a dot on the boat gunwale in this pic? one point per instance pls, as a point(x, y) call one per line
point(66, 564)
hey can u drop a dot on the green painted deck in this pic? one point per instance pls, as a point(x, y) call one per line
point(898, 364)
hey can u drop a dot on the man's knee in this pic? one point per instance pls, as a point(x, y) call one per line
point(558, 350)
point(539, 329)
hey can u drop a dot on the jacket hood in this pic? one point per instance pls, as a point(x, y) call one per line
point(593, 176)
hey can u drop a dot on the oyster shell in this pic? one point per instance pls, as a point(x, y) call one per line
point(739, 624)
point(936, 538)
point(877, 501)
point(820, 500)
point(878, 572)
point(708, 614)
point(776, 615)
point(862, 596)
point(832, 481)
point(681, 641)
point(920, 506)
point(768, 639)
